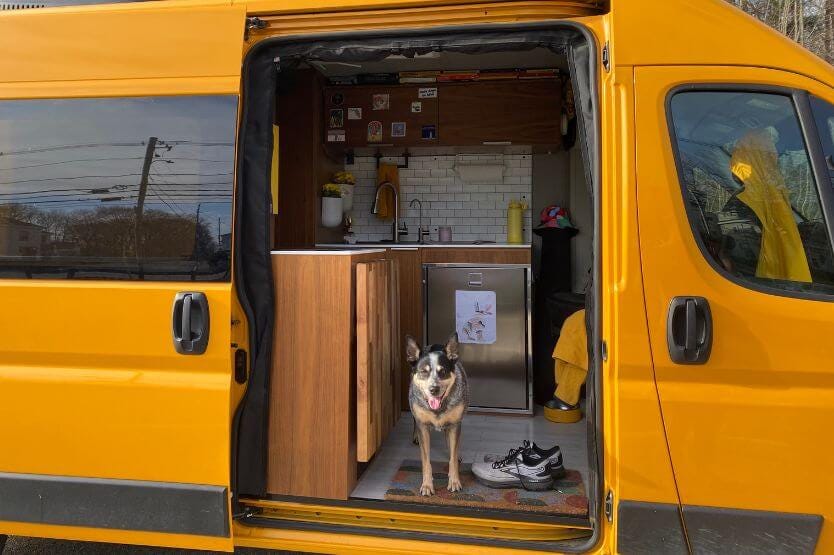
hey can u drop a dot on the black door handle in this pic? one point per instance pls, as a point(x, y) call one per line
point(689, 330)
point(190, 323)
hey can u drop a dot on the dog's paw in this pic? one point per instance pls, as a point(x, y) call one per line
point(454, 484)
point(427, 489)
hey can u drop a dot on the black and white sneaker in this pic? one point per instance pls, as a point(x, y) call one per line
point(517, 469)
point(554, 455)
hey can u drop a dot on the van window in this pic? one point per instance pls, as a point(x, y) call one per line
point(749, 189)
point(824, 117)
point(117, 188)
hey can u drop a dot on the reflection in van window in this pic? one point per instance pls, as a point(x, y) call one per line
point(749, 188)
point(824, 117)
point(117, 188)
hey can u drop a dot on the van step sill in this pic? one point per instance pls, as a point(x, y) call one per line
point(472, 527)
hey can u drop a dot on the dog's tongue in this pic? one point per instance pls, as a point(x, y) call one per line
point(434, 402)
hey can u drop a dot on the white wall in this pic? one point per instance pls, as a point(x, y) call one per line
point(476, 212)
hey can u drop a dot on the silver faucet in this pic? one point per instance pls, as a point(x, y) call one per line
point(375, 210)
point(421, 232)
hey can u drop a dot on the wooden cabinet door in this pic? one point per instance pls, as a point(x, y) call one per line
point(518, 112)
point(350, 109)
point(376, 325)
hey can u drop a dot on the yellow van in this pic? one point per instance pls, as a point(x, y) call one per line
point(194, 353)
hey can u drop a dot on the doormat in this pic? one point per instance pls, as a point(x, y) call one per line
point(567, 497)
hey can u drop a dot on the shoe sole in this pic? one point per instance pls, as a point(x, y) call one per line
point(531, 485)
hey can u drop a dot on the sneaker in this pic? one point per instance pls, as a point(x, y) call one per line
point(517, 469)
point(554, 455)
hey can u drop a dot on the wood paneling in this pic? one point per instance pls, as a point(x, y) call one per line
point(410, 278)
point(475, 255)
point(400, 99)
point(303, 164)
point(375, 363)
point(312, 409)
point(520, 112)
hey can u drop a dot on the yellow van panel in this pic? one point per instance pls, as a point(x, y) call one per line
point(99, 390)
point(313, 7)
point(175, 47)
point(283, 19)
point(749, 428)
point(704, 32)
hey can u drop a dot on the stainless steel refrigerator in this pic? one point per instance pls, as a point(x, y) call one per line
point(489, 307)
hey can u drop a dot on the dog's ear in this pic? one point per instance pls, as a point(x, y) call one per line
point(412, 349)
point(451, 348)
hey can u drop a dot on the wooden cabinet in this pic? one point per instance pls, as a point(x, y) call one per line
point(522, 112)
point(517, 112)
point(475, 255)
point(313, 431)
point(351, 109)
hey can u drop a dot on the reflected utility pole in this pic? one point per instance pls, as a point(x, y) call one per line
point(140, 202)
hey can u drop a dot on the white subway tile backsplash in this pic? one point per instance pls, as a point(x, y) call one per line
point(476, 212)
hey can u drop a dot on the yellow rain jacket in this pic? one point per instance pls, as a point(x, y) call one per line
point(571, 354)
point(755, 163)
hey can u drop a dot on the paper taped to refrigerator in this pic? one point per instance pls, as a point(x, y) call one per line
point(475, 316)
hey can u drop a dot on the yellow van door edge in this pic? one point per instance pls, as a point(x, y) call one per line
point(174, 508)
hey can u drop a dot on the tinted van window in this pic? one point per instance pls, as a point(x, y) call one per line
point(117, 188)
point(750, 191)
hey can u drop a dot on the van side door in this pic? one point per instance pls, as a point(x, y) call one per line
point(735, 221)
point(117, 157)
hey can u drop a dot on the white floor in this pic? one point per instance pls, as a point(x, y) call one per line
point(480, 434)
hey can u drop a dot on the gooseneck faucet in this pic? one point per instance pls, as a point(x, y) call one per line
point(420, 231)
point(375, 209)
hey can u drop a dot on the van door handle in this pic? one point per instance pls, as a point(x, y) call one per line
point(190, 323)
point(689, 330)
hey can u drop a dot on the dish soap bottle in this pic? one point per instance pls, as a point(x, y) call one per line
point(515, 227)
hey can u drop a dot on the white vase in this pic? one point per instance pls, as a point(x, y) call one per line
point(331, 211)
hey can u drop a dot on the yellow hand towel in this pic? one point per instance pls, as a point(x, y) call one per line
point(390, 173)
point(571, 354)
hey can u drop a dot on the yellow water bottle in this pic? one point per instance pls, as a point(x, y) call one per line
point(514, 222)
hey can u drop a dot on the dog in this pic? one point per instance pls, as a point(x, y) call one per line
point(439, 397)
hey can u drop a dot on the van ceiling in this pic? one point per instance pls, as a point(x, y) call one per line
point(450, 61)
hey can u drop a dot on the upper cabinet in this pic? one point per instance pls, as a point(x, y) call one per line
point(521, 112)
point(381, 115)
point(515, 112)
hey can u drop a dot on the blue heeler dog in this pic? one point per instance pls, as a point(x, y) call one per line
point(439, 397)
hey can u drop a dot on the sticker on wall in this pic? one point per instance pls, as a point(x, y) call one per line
point(337, 118)
point(475, 319)
point(398, 129)
point(428, 132)
point(416, 107)
point(354, 113)
point(381, 102)
point(375, 131)
point(337, 99)
point(427, 92)
point(336, 136)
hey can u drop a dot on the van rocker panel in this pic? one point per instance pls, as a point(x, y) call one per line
point(116, 504)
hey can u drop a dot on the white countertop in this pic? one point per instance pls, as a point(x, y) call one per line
point(334, 251)
point(413, 246)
